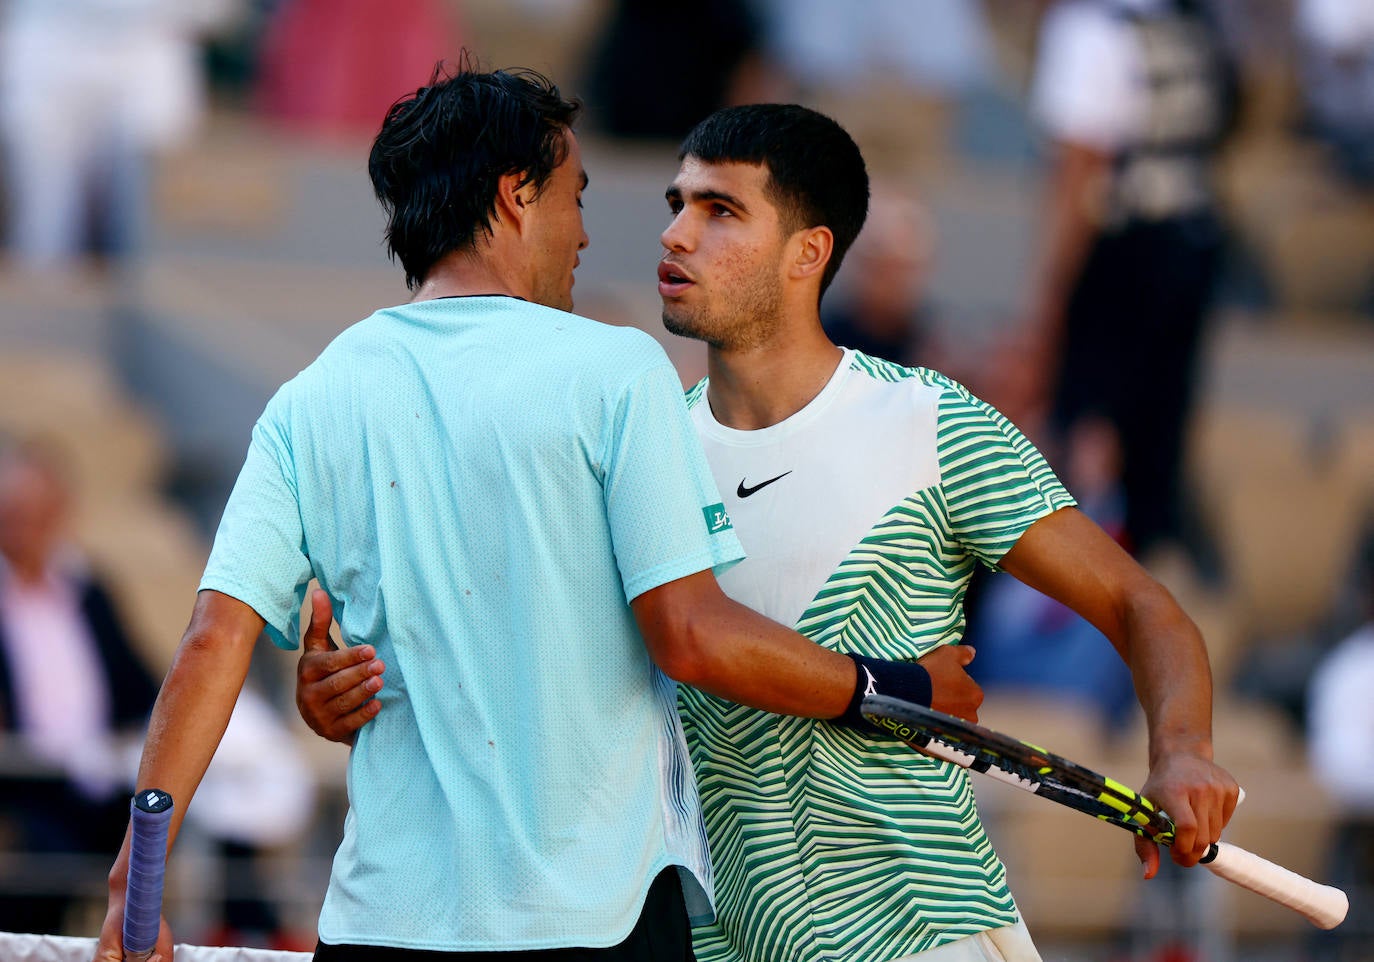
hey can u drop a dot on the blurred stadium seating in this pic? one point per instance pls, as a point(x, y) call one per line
point(268, 244)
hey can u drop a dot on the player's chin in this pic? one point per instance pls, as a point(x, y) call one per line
point(680, 322)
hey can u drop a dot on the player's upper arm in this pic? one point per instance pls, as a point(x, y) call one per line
point(666, 517)
point(220, 620)
point(259, 554)
point(669, 617)
point(994, 482)
point(1066, 556)
point(699, 636)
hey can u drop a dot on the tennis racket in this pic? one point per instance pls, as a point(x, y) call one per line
point(1045, 774)
point(150, 815)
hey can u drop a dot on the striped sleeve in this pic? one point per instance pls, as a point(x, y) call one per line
point(996, 483)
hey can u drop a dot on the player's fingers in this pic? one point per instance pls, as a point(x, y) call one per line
point(314, 666)
point(1212, 808)
point(162, 951)
point(1187, 838)
point(953, 690)
point(321, 616)
point(108, 952)
point(964, 653)
point(352, 687)
point(1214, 811)
point(1234, 796)
point(110, 947)
point(344, 726)
point(1148, 853)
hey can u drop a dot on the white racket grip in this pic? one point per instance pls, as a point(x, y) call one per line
point(1324, 905)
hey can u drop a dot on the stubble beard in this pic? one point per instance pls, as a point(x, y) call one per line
point(750, 319)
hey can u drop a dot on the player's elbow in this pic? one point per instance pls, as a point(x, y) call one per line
point(683, 653)
point(1149, 606)
point(676, 621)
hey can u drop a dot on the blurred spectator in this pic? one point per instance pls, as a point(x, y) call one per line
point(939, 46)
point(715, 62)
point(1136, 97)
point(1027, 642)
point(90, 91)
point(70, 683)
point(881, 305)
point(74, 700)
point(1336, 42)
point(1340, 745)
point(334, 67)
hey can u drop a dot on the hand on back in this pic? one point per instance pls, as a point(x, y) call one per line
point(335, 687)
point(953, 690)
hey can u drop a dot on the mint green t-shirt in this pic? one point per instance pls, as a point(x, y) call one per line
point(482, 485)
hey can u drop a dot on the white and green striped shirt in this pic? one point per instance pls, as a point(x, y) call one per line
point(862, 515)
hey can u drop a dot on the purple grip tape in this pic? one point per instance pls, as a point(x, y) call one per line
point(150, 814)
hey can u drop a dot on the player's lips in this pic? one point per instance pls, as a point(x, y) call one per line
point(672, 279)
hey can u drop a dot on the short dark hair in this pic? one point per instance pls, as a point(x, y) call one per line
point(816, 174)
point(441, 152)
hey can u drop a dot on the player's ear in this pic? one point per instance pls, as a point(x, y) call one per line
point(514, 194)
point(811, 252)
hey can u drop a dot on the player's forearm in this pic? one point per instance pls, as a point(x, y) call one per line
point(1068, 557)
point(1173, 679)
point(752, 660)
point(700, 637)
point(196, 701)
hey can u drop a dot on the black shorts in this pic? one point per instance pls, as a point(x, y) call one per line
point(662, 934)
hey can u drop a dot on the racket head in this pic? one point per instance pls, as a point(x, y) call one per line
point(1031, 767)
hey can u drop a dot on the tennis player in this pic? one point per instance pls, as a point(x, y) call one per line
point(866, 494)
point(508, 503)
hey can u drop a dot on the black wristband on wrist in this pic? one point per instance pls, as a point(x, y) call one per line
point(899, 679)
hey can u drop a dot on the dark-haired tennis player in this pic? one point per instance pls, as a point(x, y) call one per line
point(508, 503)
point(866, 493)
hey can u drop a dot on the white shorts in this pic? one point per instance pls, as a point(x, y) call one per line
point(1011, 943)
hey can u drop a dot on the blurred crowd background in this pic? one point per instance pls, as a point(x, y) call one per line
point(1142, 228)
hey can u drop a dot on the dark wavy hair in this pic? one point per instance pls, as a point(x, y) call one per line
point(437, 160)
point(816, 174)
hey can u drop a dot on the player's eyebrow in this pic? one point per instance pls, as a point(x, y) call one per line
point(674, 192)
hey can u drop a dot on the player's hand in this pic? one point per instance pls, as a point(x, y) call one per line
point(953, 690)
point(335, 688)
point(110, 947)
point(1199, 796)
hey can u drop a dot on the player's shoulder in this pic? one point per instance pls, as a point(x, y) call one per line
point(924, 380)
point(613, 355)
point(629, 340)
point(616, 344)
point(955, 406)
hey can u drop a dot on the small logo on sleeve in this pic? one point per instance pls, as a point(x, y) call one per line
point(717, 519)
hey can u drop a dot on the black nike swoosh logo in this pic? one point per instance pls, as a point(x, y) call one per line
point(744, 492)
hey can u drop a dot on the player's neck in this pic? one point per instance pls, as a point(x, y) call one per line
point(467, 275)
point(768, 383)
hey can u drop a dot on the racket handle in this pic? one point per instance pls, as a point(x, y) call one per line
point(1324, 905)
point(150, 814)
